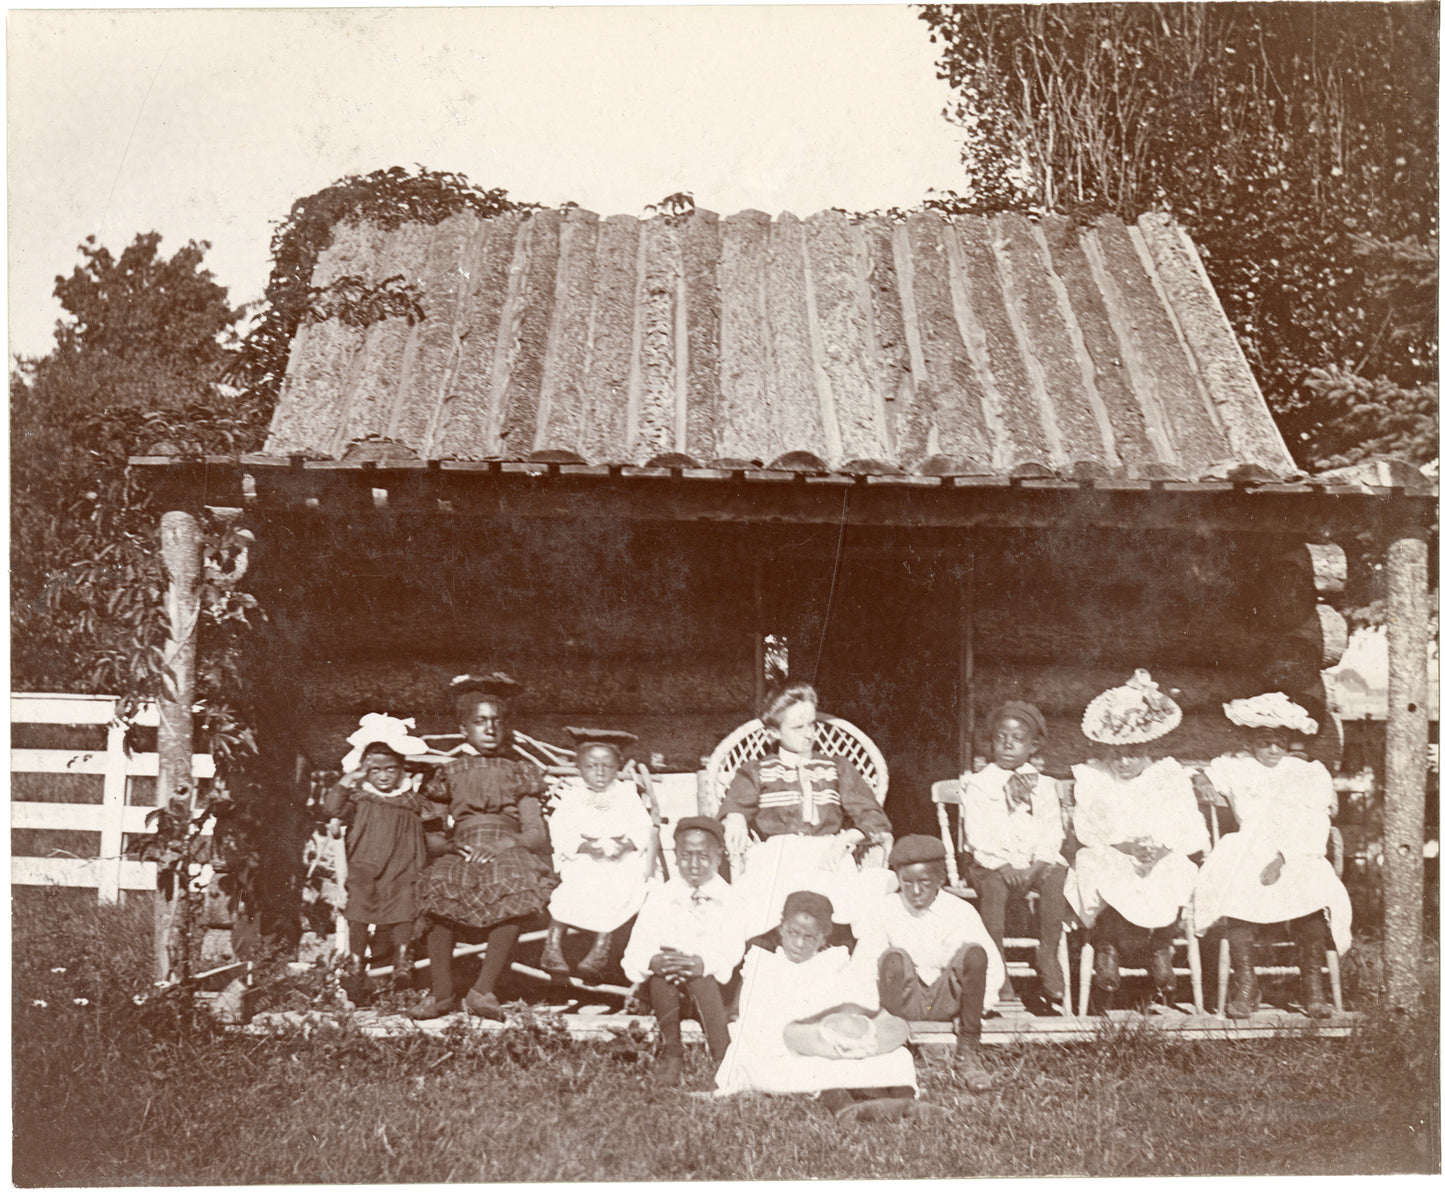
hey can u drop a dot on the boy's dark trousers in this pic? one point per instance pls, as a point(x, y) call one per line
point(707, 1001)
point(956, 996)
point(993, 899)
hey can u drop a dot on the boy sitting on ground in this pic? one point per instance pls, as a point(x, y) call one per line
point(934, 959)
point(809, 1023)
point(687, 941)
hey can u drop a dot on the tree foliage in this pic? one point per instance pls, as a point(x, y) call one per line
point(134, 368)
point(385, 198)
point(1297, 142)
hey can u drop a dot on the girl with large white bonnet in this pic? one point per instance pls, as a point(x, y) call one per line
point(1137, 823)
point(377, 801)
point(1273, 870)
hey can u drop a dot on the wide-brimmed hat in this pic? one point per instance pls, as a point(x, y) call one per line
point(377, 728)
point(498, 684)
point(614, 738)
point(1275, 710)
point(847, 1031)
point(1133, 714)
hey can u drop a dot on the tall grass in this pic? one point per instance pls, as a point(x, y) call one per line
point(110, 1092)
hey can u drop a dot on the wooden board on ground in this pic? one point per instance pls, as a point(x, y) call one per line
point(1021, 1028)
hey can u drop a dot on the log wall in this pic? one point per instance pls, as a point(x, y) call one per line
point(652, 629)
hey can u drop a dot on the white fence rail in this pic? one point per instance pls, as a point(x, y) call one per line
point(112, 818)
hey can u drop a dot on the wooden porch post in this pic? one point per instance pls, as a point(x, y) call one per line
point(967, 710)
point(1406, 753)
point(175, 737)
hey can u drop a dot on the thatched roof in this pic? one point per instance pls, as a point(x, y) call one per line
point(990, 347)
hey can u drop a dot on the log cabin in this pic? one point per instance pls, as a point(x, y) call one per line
point(938, 461)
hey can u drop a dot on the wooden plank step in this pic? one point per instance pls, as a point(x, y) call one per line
point(1014, 1029)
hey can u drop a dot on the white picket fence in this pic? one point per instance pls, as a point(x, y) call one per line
point(112, 818)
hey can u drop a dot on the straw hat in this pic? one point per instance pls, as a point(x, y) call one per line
point(1275, 710)
point(847, 1031)
point(1133, 714)
point(377, 728)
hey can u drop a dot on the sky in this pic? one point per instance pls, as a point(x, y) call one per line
point(208, 124)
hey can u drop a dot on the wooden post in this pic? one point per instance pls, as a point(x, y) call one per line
point(760, 663)
point(966, 709)
point(1406, 755)
point(175, 737)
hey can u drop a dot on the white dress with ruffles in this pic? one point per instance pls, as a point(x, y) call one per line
point(775, 992)
point(599, 893)
point(1156, 807)
point(1282, 810)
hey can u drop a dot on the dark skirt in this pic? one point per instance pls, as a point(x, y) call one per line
point(515, 883)
point(385, 855)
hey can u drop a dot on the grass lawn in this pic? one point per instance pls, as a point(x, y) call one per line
point(107, 1092)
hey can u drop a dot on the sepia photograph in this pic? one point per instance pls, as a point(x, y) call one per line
point(724, 592)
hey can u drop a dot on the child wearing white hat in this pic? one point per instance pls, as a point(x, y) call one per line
point(1273, 870)
point(377, 801)
point(1137, 824)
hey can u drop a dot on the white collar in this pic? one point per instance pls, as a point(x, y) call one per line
point(407, 785)
point(794, 760)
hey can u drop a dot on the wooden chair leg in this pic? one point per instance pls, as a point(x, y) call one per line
point(1332, 962)
point(1086, 977)
point(1064, 966)
point(1223, 981)
point(1196, 970)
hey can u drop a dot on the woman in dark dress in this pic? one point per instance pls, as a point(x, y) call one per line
point(494, 870)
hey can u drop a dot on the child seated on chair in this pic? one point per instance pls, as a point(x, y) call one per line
point(808, 1024)
point(1014, 829)
point(809, 810)
point(1137, 823)
point(377, 801)
point(493, 872)
point(686, 943)
point(601, 849)
point(934, 959)
point(1273, 870)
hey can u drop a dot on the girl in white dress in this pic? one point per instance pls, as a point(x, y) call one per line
point(809, 1022)
point(1137, 824)
point(1273, 870)
point(602, 848)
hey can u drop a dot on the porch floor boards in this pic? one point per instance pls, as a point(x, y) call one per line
point(1269, 1023)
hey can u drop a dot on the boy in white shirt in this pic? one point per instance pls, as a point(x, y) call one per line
point(935, 961)
point(1014, 829)
point(686, 942)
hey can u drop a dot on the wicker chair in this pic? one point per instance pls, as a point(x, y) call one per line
point(949, 793)
point(835, 737)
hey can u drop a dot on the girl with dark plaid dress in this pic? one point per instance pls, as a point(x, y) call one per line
point(495, 871)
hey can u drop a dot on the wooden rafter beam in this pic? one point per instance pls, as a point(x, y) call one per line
point(532, 490)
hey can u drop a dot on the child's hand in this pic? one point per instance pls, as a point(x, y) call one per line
point(675, 965)
point(353, 777)
point(1270, 873)
point(474, 854)
point(1016, 878)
